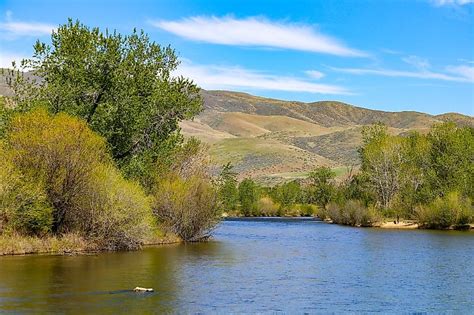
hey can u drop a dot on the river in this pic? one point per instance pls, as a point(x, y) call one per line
point(265, 266)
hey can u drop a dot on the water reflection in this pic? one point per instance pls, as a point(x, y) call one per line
point(256, 266)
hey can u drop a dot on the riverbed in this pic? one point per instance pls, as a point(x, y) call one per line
point(256, 265)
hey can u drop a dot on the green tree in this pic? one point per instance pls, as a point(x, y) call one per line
point(414, 175)
point(288, 194)
point(123, 86)
point(321, 187)
point(452, 159)
point(248, 196)
point(228, 192)
point(381, 157)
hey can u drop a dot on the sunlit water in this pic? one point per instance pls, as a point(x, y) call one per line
point(263, 266)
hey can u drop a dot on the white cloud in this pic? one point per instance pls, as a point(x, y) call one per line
point(222, 77)
point(418, 62)
point(256, 31)
point(314, 74)
point(423, 74)
point(13, 28)
point(440, 3)
point(462, 71)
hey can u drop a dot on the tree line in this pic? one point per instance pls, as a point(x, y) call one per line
point(424, 177)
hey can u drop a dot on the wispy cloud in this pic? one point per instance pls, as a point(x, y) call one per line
point(314, 74)
point(440, 3)
point(225, 77)
point(11, 28)
point(462, 71)
point(419, 63)
point(258, 32)
point(464, 77)
point(423, 70)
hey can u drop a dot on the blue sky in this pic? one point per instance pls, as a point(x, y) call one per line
point(388, 55)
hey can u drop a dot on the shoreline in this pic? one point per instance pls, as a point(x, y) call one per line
point(389, 224)
point(67, 245)
point(74, 245)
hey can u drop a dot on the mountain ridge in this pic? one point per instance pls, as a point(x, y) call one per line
point(264, 137)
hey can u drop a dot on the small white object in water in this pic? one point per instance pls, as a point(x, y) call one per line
point(139, 289)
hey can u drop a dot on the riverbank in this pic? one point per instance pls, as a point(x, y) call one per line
point(65, 244)
point(387, 224)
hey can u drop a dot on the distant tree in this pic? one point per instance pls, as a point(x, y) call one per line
point(288, 194)
point(228, 192)
point(382, 157)
point(452, 159)
point(415, 172)
point(321, 186)
point(122, 85)
point(248, 196)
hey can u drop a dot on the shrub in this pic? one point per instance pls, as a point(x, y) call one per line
point(267, 208)
point(116, 213)
point(444, 212)
point(187, 207)
point(352, 212)
point(185, 197)
point(307, 210)
point(61, 153)
point(57, 176)
point(23, 205)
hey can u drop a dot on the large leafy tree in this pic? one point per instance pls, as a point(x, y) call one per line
point(122, 85)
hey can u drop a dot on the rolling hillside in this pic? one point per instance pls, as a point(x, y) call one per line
point(273, 140)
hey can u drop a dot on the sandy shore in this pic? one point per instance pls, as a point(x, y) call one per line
point(403, 225)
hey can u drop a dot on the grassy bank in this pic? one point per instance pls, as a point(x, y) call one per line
point(20, 245)
point(65, 244)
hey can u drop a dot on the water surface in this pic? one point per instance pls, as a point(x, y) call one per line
point(256, 266)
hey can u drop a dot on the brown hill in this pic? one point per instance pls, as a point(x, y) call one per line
point(273, 140)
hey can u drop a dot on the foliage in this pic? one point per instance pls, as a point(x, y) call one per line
point(248, 196)
point(185, 198)
point(23, 205)
point(228, 192)
point(116, 213)
point(321, 189)
point(405, 172)
point(447, 211)
point(452, 159)
point(381, 158)
point(267, 207)
point(66, 168)
point(287, 194)
point(122, 85)
point(61, 152)
point(188, 207)
point(352, 212)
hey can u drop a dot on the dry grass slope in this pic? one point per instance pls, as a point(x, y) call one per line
point(274, 140)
